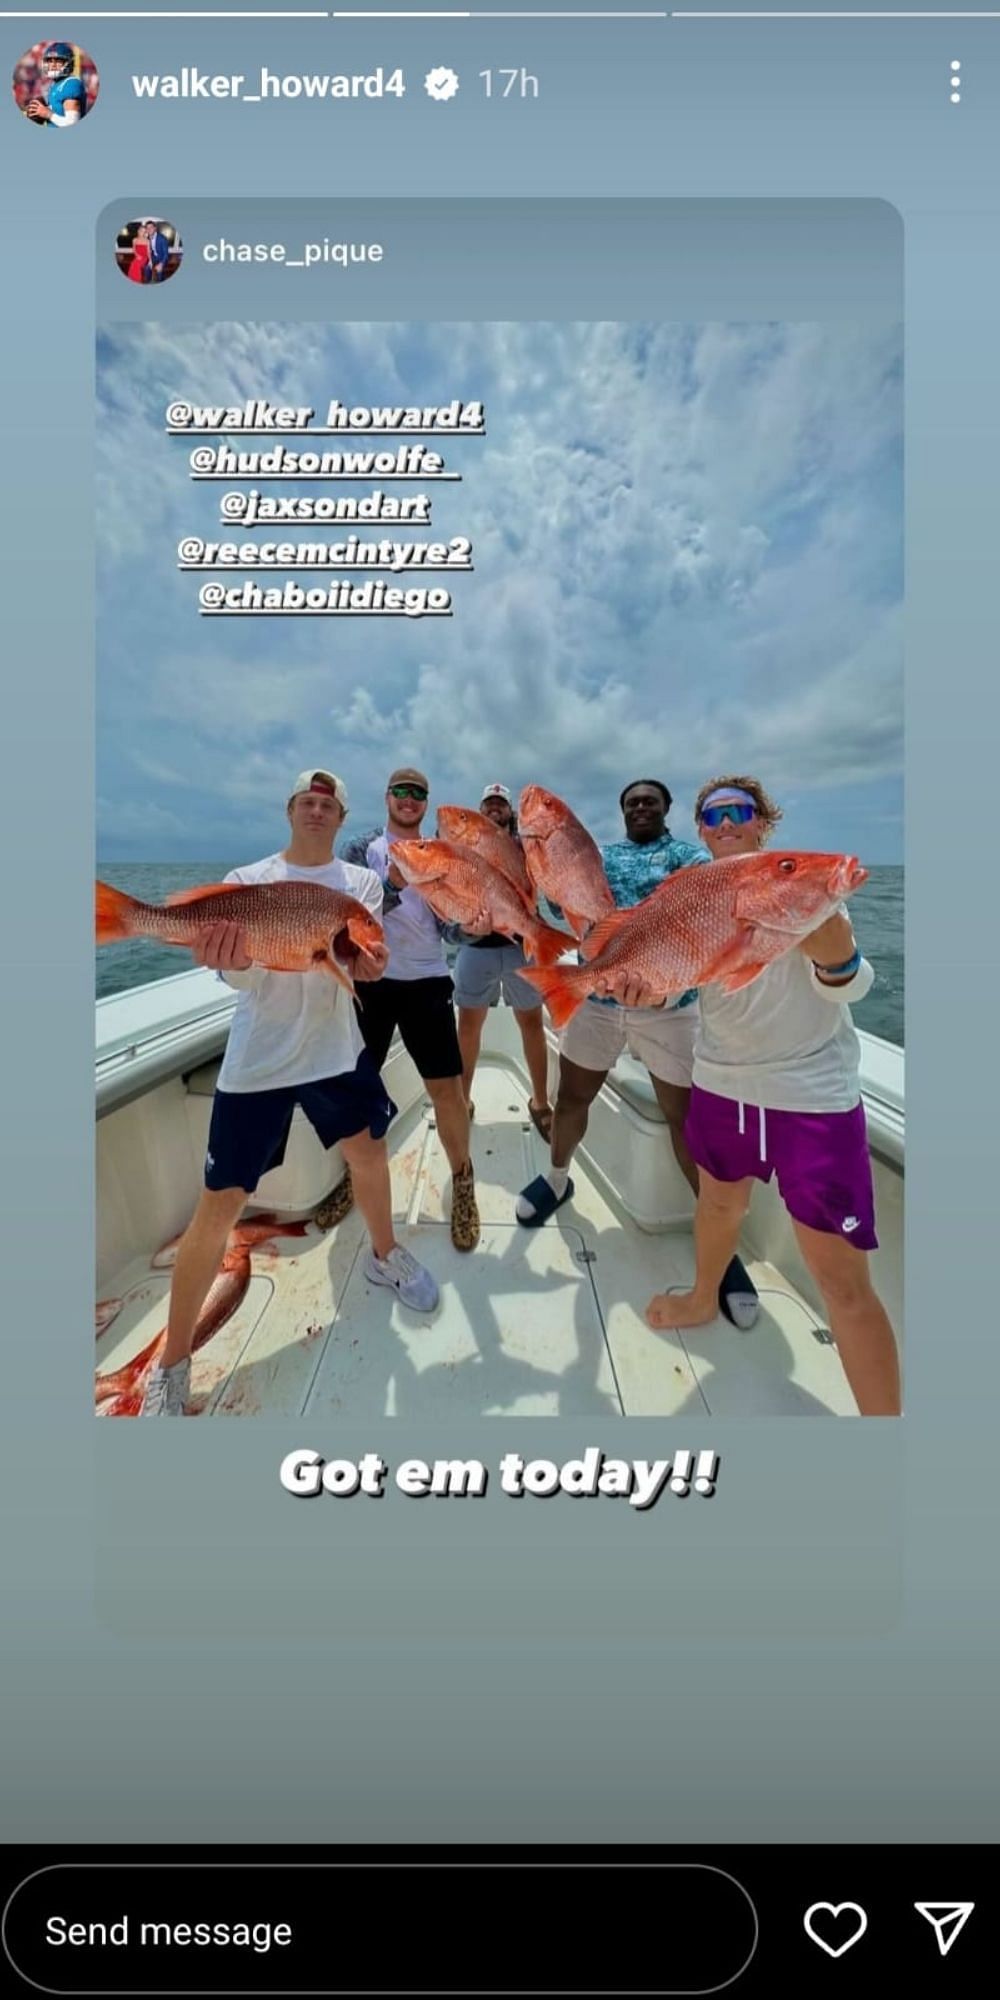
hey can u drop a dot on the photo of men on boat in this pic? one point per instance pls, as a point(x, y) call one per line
point(511, 1080)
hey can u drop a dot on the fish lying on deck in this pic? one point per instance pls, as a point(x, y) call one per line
point(722, 924)
point(122, 1389)
point(463, 889)
point(125, 1387)
point(562, 860)
point(245, 1236)
point(289, 926)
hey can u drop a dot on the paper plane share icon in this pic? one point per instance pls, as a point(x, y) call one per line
point(947, 1920)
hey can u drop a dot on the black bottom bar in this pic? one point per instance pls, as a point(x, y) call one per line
point(478, 1920)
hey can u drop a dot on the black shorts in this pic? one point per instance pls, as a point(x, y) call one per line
point(423, 1011)
point(249, 1129)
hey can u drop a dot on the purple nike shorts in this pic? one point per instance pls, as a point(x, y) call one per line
point(820, 1158)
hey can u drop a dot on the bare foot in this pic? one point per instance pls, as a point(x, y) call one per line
point(680, 1309)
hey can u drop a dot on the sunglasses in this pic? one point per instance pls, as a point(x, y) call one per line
point(734, 810)
point(407, 792)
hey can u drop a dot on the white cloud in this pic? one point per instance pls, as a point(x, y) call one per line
point(687, 549)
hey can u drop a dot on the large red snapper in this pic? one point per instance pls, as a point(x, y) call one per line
point(464, 827)
point(289, 926)
point(564, 863)
point(721, 923)
point(462, 888)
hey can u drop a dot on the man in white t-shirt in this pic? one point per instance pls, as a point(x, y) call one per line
point(294, 1040)
point(776, 1091)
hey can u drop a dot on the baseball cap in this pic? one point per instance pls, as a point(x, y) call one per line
point(495, 792)
point(407, 775)
point(318, 780)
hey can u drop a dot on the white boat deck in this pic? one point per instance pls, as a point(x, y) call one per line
point(545, 1322)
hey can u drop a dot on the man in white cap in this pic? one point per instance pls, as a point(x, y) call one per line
point(491, 965)
point(294, 1040)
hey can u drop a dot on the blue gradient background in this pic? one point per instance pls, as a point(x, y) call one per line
point(814, 1654)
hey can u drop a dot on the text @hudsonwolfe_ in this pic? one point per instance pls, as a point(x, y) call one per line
point(593, 1474)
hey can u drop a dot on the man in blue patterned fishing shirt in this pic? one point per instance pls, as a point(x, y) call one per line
point(660, 1037)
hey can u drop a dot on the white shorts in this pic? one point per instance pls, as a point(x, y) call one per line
point(660, 1037)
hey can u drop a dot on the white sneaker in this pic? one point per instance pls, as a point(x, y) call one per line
point(414, 1284)
point(167, 1391)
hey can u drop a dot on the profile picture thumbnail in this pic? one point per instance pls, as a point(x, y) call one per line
point(149, 250)
point(55, 84)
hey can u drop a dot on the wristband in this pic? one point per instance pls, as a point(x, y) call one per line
point(850, 965)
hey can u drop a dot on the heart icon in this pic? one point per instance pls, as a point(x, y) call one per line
point(830, 1915)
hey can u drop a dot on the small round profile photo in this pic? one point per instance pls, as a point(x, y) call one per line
point(55, 85)
point(148, 251)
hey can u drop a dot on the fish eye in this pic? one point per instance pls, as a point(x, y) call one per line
point(787, 867)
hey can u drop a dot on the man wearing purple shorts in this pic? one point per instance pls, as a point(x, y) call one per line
point(775, 1091)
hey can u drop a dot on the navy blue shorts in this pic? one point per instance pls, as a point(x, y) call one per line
point(249, 1129)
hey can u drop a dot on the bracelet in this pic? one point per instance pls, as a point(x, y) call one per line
point(850, 965)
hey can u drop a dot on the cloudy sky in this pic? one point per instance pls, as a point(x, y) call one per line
point(688, 550)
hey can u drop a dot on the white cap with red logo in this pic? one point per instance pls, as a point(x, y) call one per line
point(495, 792)
point(320, 781)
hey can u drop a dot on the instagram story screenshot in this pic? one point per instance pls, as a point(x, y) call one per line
point(500, 512)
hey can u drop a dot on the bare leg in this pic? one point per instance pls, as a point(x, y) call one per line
point(718, 1219)
point(577, 1091)
point(199, 1254)
point(673, 1101)
point(452, 1113)
point(451, 1110)
point(536, 1055)
point(368, 1160)
point(737, 1292)
point(470, 1034)
point(858, 1320)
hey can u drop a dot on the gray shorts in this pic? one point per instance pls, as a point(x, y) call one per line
point(482, 972)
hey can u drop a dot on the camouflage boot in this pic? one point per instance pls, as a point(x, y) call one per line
point(337, 1204)
point(464, 1213)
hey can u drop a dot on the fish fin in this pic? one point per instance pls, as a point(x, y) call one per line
point(322, 962)
point(733, 955)
point(741, 976)
point(560, 987)
point(181, 896)
point(602, 933)
point(546, 945)
point(112, 913)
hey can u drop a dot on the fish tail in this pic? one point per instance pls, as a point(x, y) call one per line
point(564, 988)
point(133, 1376)
point(113, 913)
point(546, 945)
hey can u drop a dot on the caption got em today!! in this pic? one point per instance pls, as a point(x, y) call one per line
point(594, 1474)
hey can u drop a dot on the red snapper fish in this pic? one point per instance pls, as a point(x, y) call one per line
point(289, 926)
point(245, 1236)
point(721, 922)
point(564, 863)
point(462, 888)
point(464, 827)
point(124, 1388)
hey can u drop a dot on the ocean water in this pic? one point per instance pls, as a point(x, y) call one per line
point(876, 911)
